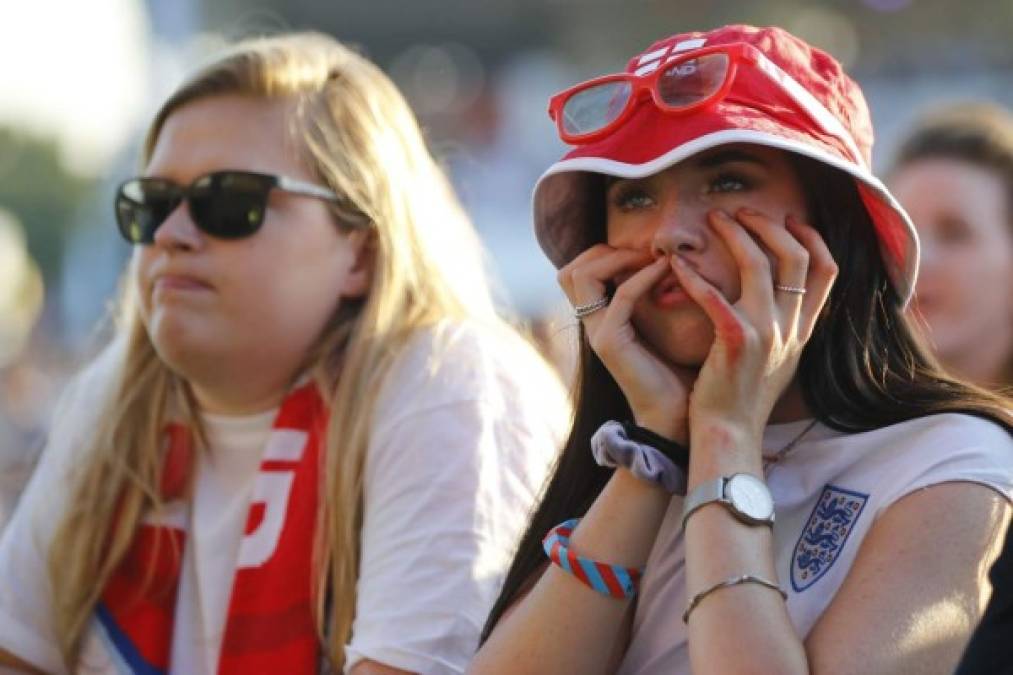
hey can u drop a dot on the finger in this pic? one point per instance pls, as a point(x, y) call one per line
point(728, 326)
point(564, 276)
point(791, 259)
point(620, 310)
point(584, 280)
point(821, 274)
point(756, 290)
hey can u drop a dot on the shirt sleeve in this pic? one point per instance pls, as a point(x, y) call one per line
point(448, 489)
point(26, 619)
point(950, 448)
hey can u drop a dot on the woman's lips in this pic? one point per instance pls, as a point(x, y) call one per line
point(172, 283)
point(667, 293)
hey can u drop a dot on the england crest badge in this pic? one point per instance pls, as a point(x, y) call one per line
point(823, 537)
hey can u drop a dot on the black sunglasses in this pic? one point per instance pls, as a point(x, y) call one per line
point(224, 204)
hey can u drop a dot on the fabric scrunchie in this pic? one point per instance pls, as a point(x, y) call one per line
point(612, 447)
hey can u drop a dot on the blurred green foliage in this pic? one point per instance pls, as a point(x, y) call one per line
point(43, 195)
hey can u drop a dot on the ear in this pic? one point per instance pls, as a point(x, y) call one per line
point(359, 277)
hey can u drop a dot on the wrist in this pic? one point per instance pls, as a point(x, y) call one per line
point(667, 426)
point(676, 452)
point(725, 436)
point(646, 455)
point(723, 449)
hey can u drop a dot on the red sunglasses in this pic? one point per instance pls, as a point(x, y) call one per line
point(680, 84)
point(685, 82)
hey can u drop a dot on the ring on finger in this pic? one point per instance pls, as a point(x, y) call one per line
point(580, 311)
point(798, 290)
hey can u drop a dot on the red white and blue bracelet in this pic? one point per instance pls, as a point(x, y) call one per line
point(611, 580)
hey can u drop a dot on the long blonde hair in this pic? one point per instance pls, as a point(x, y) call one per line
point(362, 140)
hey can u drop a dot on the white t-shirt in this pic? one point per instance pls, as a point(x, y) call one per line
point(464, 431)
point(16, 465)
point(828, 491)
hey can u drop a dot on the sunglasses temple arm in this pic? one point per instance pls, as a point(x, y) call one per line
point(304, 188)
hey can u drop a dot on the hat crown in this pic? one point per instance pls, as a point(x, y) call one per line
point(817, 71)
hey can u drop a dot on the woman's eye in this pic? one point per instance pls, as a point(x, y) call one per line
point(728, 182)
point(631, 199)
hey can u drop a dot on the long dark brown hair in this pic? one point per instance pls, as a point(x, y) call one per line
point(863, 368)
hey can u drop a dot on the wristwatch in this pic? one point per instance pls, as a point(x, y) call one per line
point(746, 496)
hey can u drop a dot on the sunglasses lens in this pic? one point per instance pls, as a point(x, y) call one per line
point(594, 108)
point(230, 204)
point(142, 205)
point(691, 81)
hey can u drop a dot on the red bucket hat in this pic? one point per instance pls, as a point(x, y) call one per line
point(789, 96)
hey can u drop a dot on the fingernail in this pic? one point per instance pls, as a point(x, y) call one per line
point(679, 262)
point(747, 211)
point(721, 215)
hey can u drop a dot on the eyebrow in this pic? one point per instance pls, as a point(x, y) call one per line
point(708, 161)
point(725, 156)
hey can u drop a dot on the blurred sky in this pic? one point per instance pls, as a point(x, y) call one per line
point(76, 70)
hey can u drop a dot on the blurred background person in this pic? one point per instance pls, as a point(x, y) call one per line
point(954, 175)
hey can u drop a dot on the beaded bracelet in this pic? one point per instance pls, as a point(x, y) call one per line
point(611, 580)
point(731, 581)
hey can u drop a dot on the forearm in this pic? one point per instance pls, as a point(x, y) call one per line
point(743, 628)
point(563, 625)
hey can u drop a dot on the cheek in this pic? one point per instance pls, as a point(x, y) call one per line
point(630, 230)
point(140, 262)
point(986, 276)
point(295, 292)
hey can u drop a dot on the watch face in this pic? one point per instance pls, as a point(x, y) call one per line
point(750, 496)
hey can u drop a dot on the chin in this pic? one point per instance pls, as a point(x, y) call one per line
point(179, 345)
point(683, 339)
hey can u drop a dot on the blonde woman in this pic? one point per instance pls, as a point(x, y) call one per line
point(313, 443)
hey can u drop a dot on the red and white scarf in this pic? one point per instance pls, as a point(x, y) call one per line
point(270, 625)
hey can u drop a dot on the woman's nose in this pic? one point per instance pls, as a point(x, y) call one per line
point(178, 230)
point(682, 229)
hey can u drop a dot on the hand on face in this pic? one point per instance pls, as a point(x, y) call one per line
point(658, 393)
point(758, 338)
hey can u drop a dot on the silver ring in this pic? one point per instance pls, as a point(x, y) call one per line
point(580, 311)
point(790, 289)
